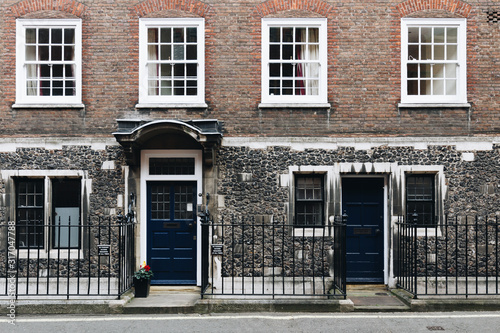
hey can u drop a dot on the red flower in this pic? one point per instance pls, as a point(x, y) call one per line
point(147, 268)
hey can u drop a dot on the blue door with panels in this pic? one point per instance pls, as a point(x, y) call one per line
point(363, 200)
point(171, 235)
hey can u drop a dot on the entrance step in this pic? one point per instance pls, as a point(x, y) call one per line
point(165, 300)
point(374, 298)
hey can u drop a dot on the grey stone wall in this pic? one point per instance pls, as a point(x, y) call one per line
point(249, 186)
point(100, 207)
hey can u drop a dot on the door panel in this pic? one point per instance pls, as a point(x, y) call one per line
point(171, 235)
point(363, 200)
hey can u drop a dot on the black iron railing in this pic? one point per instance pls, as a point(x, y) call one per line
point(243, 257)
point(457, 256)
point(69, 260)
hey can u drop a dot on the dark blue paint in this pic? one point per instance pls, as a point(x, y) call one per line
point(363, 200)
point(171, 252)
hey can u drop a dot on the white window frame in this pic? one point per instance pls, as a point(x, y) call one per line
point(47, 176)
point(319, 99)
point(461, 72)
point(22, 98)
point(147, 101)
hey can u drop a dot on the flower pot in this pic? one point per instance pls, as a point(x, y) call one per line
point(142, 287)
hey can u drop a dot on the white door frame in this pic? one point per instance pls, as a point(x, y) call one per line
point(146, 177)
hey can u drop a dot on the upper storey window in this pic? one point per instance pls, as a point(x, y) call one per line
point(48, 62)
point(433, 60)
point(171, 59)
point(294, 61)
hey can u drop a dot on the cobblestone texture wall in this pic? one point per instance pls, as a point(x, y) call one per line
point(106, 185)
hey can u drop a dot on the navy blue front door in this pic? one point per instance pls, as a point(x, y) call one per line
point(363, 200)
point(171, 235)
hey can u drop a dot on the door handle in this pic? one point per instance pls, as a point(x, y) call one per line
point(377, 232)
point(190, 226)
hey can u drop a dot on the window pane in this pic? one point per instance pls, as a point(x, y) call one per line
point(413, 52)
point(30, 53)
point(420, 198)
point(274, 52)
point(166, 35)
point(66, 205)
point(29, 212)
point(438, 35)
point(438, 52)
point(191, 70)
point(314, 52)
point(69, 36)
point(178, 35)
point(287, 52)
point(171, 166)
point(438, 71)
point(451, 52)
point(274, 35)
point(152, 35)
point(178, 52)
point(313, 35)
point(287, 35)
point(30, 36)
point(191, 35)
point(43, 53)
point(451, 87)
point(413, 34)
point(69, 53)
point(412, 70)
point(287, 70)
point(56, 53)
point(451, 70)
point(412, 87)
point(426, 52)
point(451, 35)
point(426, 35)
point(425, 87)
point(191, 52)
point(425, 70)
point(57, 36)
point(43, 36)
point(309, 200)
point(438, 87)
point(165, 52)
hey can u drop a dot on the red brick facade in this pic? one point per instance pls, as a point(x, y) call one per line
point(363, 68)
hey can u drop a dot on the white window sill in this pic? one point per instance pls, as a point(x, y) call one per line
point(295, 105)
point(434, 105)
point(54, 254)
point(171, 105)
point(309, 232)
point(429, 232)
point(48, 106)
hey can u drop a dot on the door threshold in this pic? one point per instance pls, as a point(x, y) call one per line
point(365, 286)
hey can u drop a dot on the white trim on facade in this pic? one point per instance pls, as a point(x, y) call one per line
point(22, 98)
point(174, 101)
point(142, 197)
point(461, 71)
point(321, 99)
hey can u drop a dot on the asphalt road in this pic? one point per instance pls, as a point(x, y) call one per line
point(261, 322)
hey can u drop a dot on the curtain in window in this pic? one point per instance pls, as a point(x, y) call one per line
point(153, 69)
point(300, 84)
point(312, 87)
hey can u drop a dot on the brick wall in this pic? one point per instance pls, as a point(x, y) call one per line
point(363, 68)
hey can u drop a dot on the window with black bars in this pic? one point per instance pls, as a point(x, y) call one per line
point(29, 212)
point(309, 201)
point(420, 199)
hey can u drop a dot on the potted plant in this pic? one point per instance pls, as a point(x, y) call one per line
point(142, 280)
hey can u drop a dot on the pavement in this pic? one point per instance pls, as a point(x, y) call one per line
point(178, 300)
